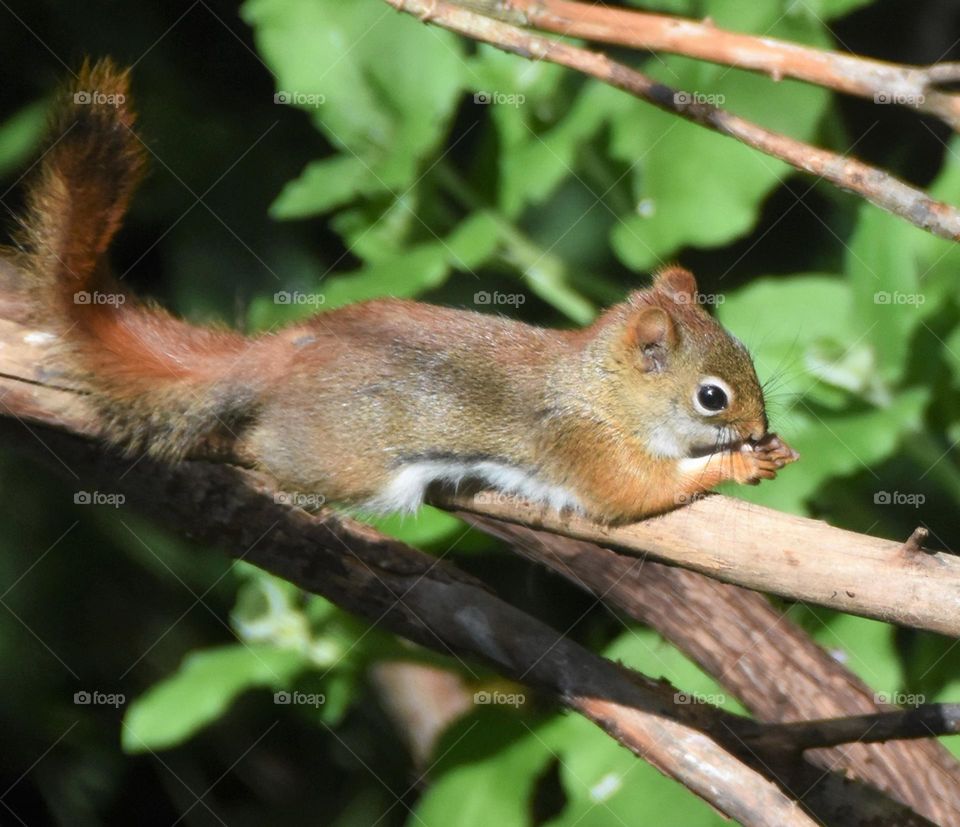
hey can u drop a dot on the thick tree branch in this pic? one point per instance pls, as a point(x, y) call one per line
point(888, 83)
point(793, 557)
point(874, 185)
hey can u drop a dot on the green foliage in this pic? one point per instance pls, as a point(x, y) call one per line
point(19, 135)
point(201, 691)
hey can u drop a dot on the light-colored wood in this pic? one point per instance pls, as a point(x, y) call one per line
point(767, 550)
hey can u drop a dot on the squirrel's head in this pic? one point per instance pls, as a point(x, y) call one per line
point(688, 387)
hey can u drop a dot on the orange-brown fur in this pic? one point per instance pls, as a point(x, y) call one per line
point(340, 404)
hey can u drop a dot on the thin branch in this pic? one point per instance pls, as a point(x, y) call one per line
point(926, 721)
point(888, 83)
point(874, 185)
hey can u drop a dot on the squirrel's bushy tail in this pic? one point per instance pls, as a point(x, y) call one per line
point(160, 384)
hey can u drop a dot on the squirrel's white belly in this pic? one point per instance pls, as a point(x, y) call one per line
point(407, 488)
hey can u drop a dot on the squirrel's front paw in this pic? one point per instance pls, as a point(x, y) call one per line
point(762, 460)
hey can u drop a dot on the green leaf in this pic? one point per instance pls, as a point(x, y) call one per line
point(692, 186)
point(486, 774)
point(429, 526)
point(532, 165)
point(324, 185)
point(200, 692)
point(684, 8)
point(866, 648)
point(647, 652)
point(377, 230)
point(828, 9)
point(20, 135)
point(940, 257)
point(821, 350)
point(952, 346)
point(519, 94)
point(388, 84)
point(607, 785)
point(819, 307)
point(889, 303)
point(419, 269)
point(837, 444)
point(473, 241)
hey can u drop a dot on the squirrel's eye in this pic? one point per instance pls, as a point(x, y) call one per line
point(711, 397)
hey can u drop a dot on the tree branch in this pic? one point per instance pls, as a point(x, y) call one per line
point(924, 721)
point(793, 557)
point(874, 185)
point(911, 86)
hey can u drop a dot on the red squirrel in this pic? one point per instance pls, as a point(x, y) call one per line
point(370, 405)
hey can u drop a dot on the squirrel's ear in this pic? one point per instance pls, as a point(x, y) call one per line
point(677, 283)
point(651, 334)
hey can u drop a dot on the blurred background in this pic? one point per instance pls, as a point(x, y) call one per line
point(311, 153)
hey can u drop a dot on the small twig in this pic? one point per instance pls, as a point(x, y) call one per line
point(914, 543)
point(927, 721)
point(874, 185)
point(891, 83)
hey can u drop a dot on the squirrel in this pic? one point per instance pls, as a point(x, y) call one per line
point(372, 404)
